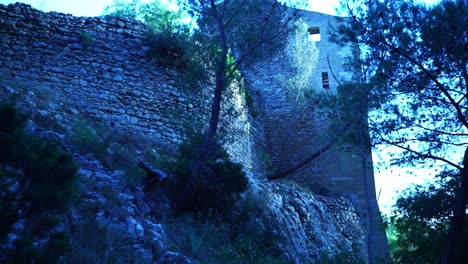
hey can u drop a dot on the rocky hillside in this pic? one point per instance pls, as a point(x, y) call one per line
point(115, 220)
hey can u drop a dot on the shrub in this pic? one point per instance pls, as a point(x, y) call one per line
point(245, 235)
point(217, 187)
point(168, 47)
point(343, 257)
point(101, 242)
point(421, 218)
point(186, 53)
point(86, 139)
point(248, 99)
point(86, 39)
point(37, 186)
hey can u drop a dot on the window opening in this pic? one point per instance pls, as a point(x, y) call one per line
point(314, 34)
point(325, 81)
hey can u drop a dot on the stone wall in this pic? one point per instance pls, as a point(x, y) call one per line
point(103, 66)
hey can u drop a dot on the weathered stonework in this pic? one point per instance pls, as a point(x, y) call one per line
point(102, 66)
point(293, 133)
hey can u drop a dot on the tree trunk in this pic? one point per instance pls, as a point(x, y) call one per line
point(452, 248)
point(370, 220)
point(207, 147)
point(220, 80)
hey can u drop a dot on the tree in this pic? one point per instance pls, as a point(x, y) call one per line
point(243, 30)
point(155, 14)
point(38, 185)
point(414, 63)
point(421, 220)
point(303, 56)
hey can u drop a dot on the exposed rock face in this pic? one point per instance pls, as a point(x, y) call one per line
point(98, 68)
point(129, 230)
point(312, 226)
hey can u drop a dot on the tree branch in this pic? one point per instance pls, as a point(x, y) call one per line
point(419, 154)
point(441, 87)
point(333, 74)
point(440, 131)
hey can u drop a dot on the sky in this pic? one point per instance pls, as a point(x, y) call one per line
point(389, 180)
point(96, 7)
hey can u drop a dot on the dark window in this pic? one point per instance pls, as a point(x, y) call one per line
point(325, 82)
point(314, 33)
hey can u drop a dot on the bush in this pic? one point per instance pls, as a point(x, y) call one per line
point(101, 242)
point(186, 53)
point(246, 235)
point(168, 47)
point(37, 186)
point(86, 139)
point(254, 234)
point(115, 149)
point(218, 186)
point(86, 39)
point(421, 218)
point(344, 257)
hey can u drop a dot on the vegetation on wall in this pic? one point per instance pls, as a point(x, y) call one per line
point(216, 188)
point(38, 186)
point(171, 39)
point(303, 57)
point(86, 39)
point(248, 99)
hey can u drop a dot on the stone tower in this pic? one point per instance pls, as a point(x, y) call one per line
point(292, 135)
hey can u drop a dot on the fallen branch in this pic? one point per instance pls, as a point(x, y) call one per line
point(153, 176)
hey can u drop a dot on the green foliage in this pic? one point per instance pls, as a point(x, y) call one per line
point(343, 257)
point(122, 8)
point(266, 159)
point(38, 183)
point(253, 234)
point(303, 58)
point(245, 236)
point(86, 139)
point(217, 187)
point(420, 221)
point(170, 38)
point(121, 154)
point(86, 39)
point(115, 149)
point(170, 48)
point(248, 99)
point(155, 14)
point(100, 242)
point(188, 53)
